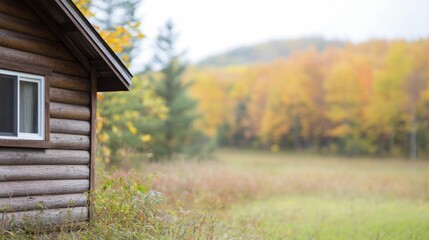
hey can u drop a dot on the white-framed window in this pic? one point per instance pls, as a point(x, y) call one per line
point(22, 112)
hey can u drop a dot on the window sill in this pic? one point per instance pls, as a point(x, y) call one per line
point(24, 143)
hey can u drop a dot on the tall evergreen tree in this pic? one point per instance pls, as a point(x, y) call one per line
point(178, 134)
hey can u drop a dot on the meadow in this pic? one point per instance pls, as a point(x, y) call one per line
point(249, 194)
point(264, 195)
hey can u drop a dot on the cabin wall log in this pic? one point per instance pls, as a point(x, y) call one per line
point(69, 82)
point(69, 96)
point(68, 141)
point(29, 203)
point(18, 9)
point(30, 28)
point(68, 111)
point(24, 42)
point(43, 172)
point(70, 126)
point(46, 217)
point(45, 187)
point(12, 156)
point(57, 65)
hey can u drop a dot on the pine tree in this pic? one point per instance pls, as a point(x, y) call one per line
point(178, 135)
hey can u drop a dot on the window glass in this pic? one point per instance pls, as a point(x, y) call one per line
point(7, 105)
point(22, 110)
point(28, 107)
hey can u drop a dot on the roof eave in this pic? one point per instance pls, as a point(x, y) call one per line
point(94, 39)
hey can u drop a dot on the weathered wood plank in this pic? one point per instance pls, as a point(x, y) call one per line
point(69, 141)
point(46, 187)
point(68, 111)
point(13, 156)
point(93, 142)
point(24, 26)
point(69, 96)
point(43, 172)
point(27, 43)
point(18, 204)
point(24, 143)
point(51, 217)
point(70, 126)
point(69, 82)
point(18, 9)
point(61, 66)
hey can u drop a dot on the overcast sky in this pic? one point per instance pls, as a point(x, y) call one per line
point(211, 27)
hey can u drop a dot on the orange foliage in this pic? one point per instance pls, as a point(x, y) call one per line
point(357, 98)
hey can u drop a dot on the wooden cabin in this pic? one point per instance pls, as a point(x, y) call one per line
point(52, 64)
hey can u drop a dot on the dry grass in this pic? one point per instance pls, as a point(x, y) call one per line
point(298, 196)
point(247, 175)
point(261, 195)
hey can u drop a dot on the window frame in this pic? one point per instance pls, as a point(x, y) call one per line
point(40, 80)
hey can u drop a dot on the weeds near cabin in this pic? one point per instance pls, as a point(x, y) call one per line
point(127, 208)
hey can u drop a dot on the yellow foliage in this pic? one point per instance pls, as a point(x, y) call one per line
point(145, 138)
point(83, 6)
point(115, 130)
point(131, 128)
point(100, 96)
point(360, 94)
point(340, 131)
point(118, 38)
point(104, 137)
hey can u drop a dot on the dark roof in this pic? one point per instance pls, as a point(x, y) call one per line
point(74, 30)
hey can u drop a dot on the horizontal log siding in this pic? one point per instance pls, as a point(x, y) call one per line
point(69, 111)
point(51, 217)
point(70, 126)
point(68, 96)
point(35, 45)
point(45, 187)
point(14, 156)
point(68, 141)
point(18, 204)
point(58, 177)
point(18, 9)
point(43, 172)
point(30, 28)
point(57, 65)
point(69, 82)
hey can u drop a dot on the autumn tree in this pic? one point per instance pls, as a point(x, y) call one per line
point(119, 24)
point(124, 119)
point(368, 98)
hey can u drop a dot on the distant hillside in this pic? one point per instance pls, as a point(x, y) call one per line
point(266, 52)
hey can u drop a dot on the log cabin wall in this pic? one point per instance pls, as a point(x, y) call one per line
point(53, 175)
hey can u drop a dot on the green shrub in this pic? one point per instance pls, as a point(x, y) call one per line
point(126, 208)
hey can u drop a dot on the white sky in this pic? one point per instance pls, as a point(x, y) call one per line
point(211, 27)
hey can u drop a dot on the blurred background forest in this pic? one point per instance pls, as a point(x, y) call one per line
point(304, 94)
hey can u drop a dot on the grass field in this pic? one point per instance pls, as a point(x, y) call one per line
point(265, 195)
point(257, 195)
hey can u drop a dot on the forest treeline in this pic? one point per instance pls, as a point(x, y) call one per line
point(369, 98)
point(305, 94)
